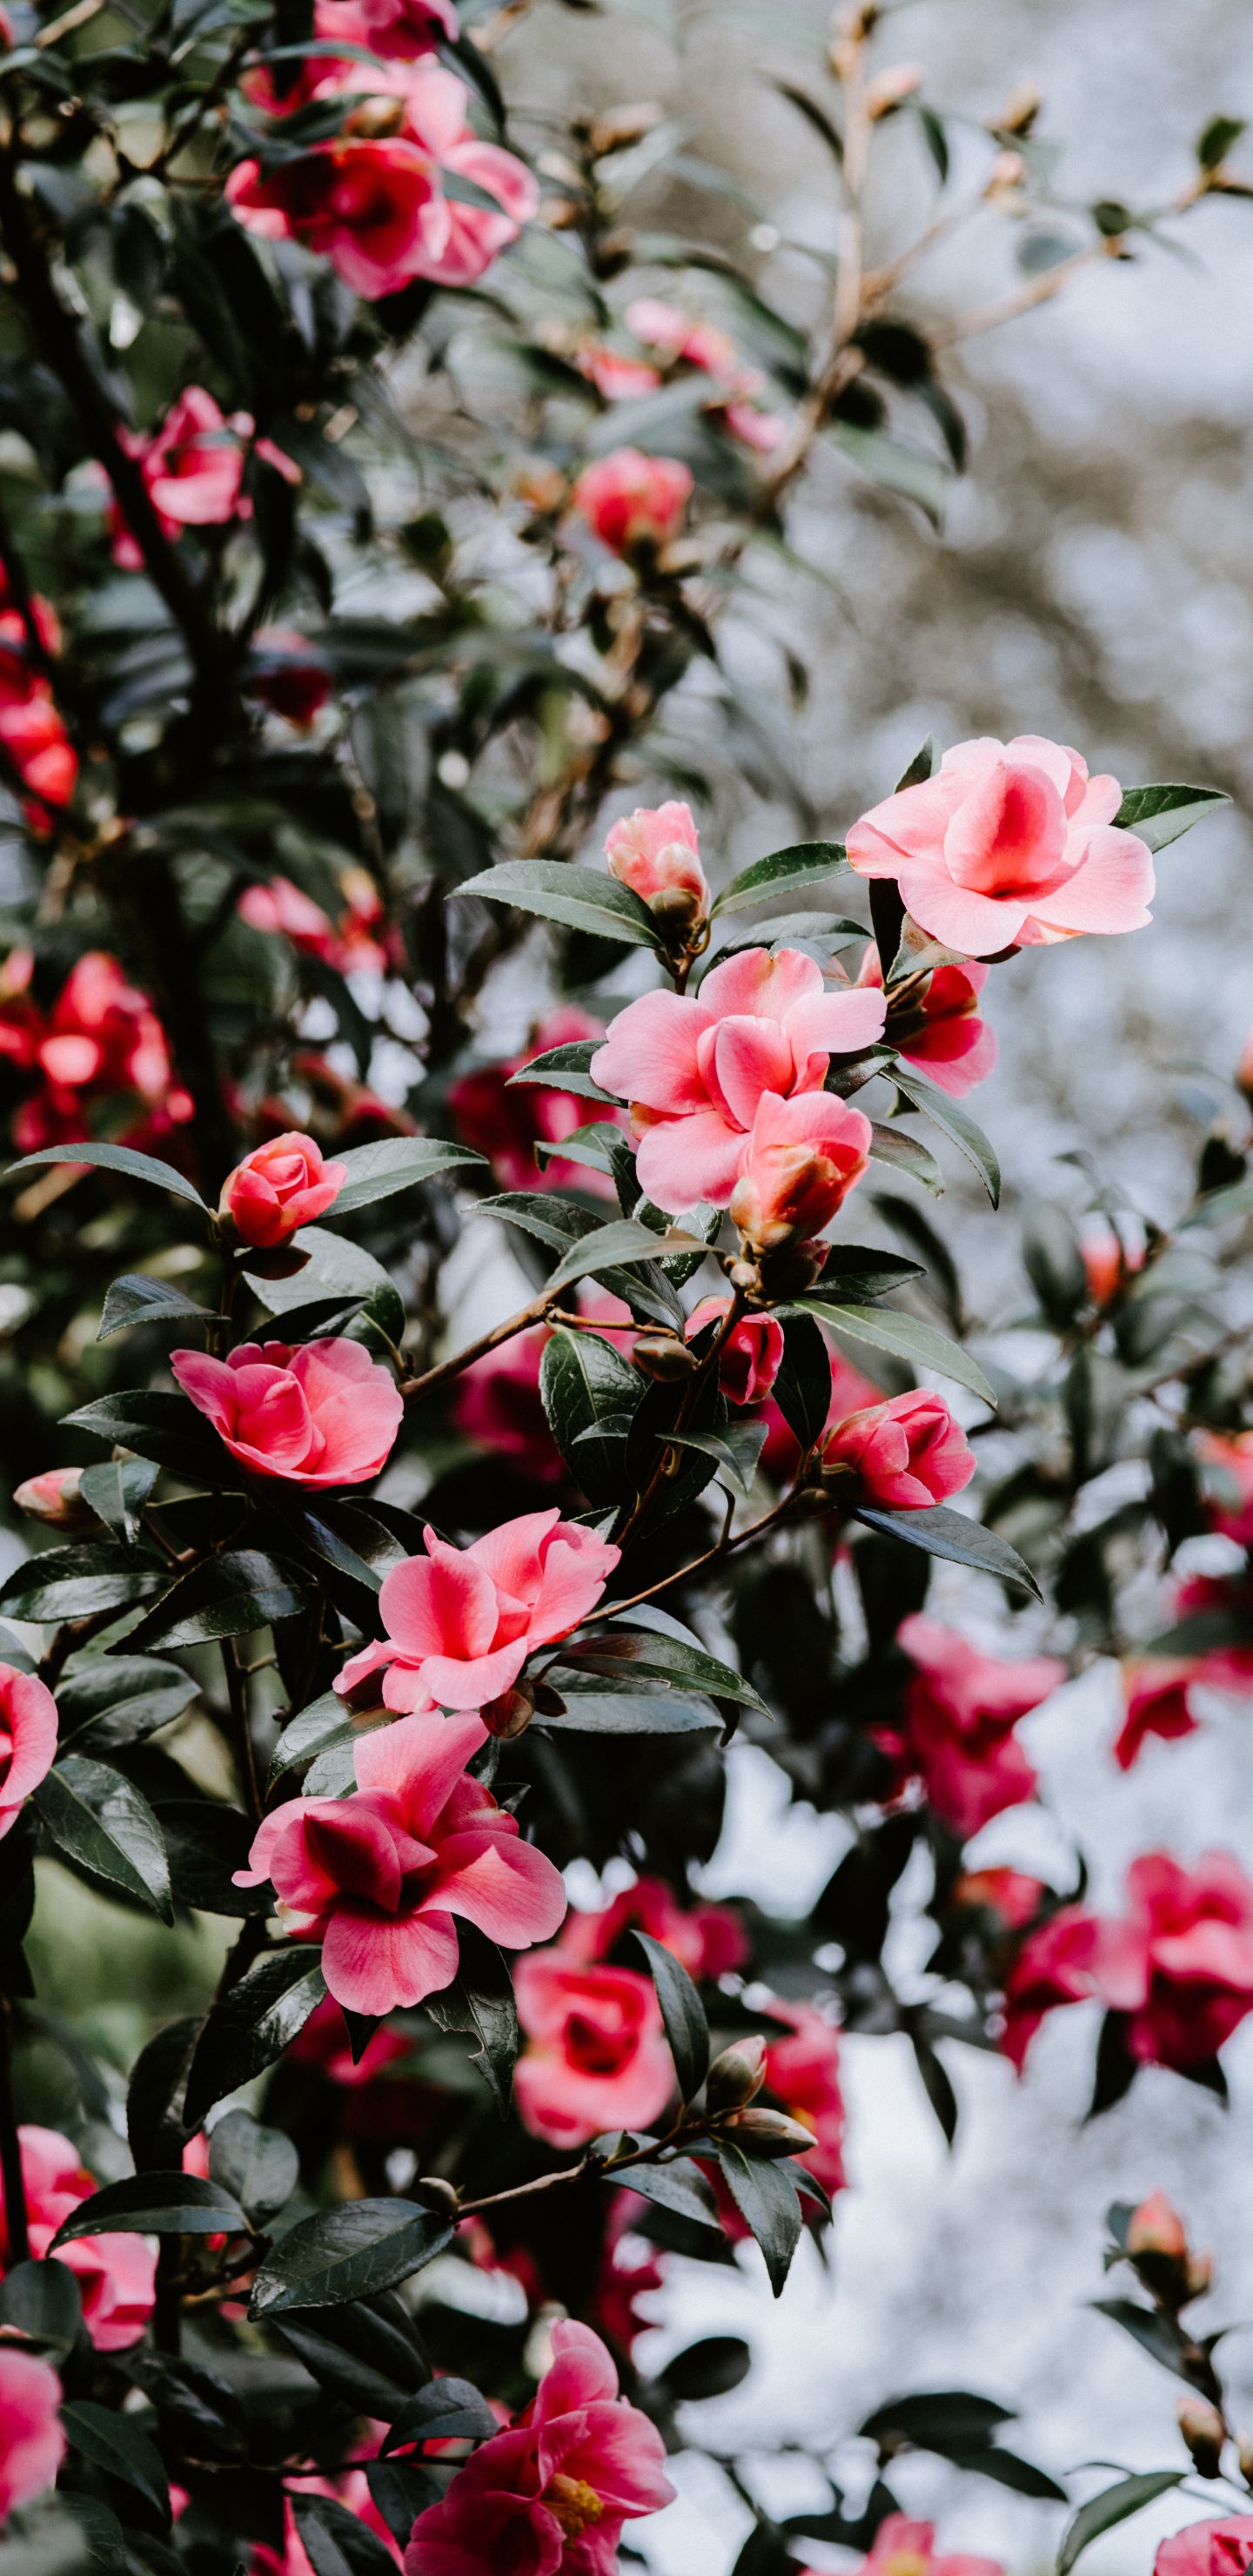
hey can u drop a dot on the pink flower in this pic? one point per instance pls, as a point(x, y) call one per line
point(597, 2059)
point(850, 1393)
point(1060, 1963)
point(32, 2438)
point(103, 1038)
point(1008, 1895)
point(906, 2548)
point(1230, 1483)
point(748, 1362)
point(654, 851)
point(1155, 1693)
point(398, 30)
point(631, 500)
point(1008, 844)
point(944, 1035)
point(461, 1621)
point(323, 2042)
point(325, 1414)
point(28, 1739)
point(803, 2070)
point(279, 1187)
point(54, 1498)
point(549, 2497)
point(376, 210)
point(694, 1070)
point(435, 115)
point(802, 1158)
point(496, 1401)
point(116, 2274)
point(707, 1938)
point(1220, 2548)
point(377, 1877)
point(960, 1710)
point(287, 673)
point(1187, 1978)
point(507, 1125)
point(1230, 1667)
point(1108, 1261)
point(908, 1452)
point(193, 466)
point(617, 379)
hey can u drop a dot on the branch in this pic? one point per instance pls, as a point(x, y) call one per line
point(1038, 290)
point(412, 1387)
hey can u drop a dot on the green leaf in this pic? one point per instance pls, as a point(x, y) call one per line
point(682, 2012)
point(481, 2000)
point(1159, 815)
point(114, 2442)
point(394, 1163)
point(603, 1709)
point(815, 116)
point(678, 2185)
point(859, 1273)
point(348, 2253)
point(620, 1244)
point(118, 1700)
point(1113, 2505)
point(953, 1535)
point(593, 1145)
point(802, 1388)
point(1203, 1633)
point(579, 897)
point(953, 1122)
point(116, 1492)
point(1155, 2333)
point(766, 2200)
point(560, 1224)
point(662, 1658)
point(904, 1153)
point(77, 1582)
point(584, 1383)
point(155, 2204)
point(154, 2097)
point(804, 863)
point(259, 2166)
point(827, 930)
point(401, 2491)
point(902, 469)
point(135, 1299)
point(99, 2529)
point(337, 2542)
point(229, 1596)
point(41, 2302)
point(114, 1158)
point(885, 1330)
point(252, 2025)
point(564, 1068)
point(333, 1267)
point(445, 2410)
point(365, 2352)
point(937, 2419)
point(165, 1427)
point(101, 1821)
point(206, 1843)
point(935, 139)
point(1006, 2469)
point(323, 1727)
point(735, 1450)
point(1215, 142)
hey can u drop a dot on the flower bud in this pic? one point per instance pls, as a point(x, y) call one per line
point(543, 487)
point(664, 1357)
point(54, 1497)
point(769, 2129)
point(888, 88)
point(1156, 2228)
point(435, 2192)
point(792, 1269)
point(737, 2074)
point(1020, 110)
point(512, 1713)
point(1200, 2275)
point(802, 1157)
point(654, 851)
point(279, 1187)
point(1204, 2432)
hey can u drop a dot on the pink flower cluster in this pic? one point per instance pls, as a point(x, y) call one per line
point(101, 1041)
point(115, 2274)
point(360, 939)
point(958, 1717)
point(193, 466)
point(32, 732)
point(1178, 1964)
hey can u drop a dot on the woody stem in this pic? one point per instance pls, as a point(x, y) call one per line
point(532, 1314)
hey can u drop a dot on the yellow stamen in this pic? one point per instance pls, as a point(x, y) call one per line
point(573, 2504)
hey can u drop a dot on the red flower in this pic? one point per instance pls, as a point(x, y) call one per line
point(324, 1414)
point(708, 1939)
point(323, 2043)
point(598, 2058)
point(549, 2497)
point(398, 30)
point(103, 1038)
point(750, 1357)
point(1220, 2548)
point(1156, 1696)
point(116, 2274)
point(279, 1187)
point(193, 466)
point(28, 1739)
point(496, 1401)
point(1109, 1264)
point(960, 1710)
point(850, 1393)
point(908, 1453)
point(31, 730)
point(287, 673)
point(32, 2437)
point(435, 115)
point(955, 1048)
point(1058, 1964)
point(376, 210)
point(1008, 1895)
point(507, 1125)
point(906, 2548)
point(379, 1876)
point(1179, 1964)
point(461, 1621)
point(804, 2071)
point(631, 500)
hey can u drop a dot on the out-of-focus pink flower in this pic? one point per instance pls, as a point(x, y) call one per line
point(28, 1739)
point(631, 500)
point(1230, 1483)
point(908, 1452)
point(1228, 1667)
point(1008, 844)
point(435, 116)
point(655, 852)
point(712, 353)
point(281, 907)
point(748, 1362)
point(549, 2497)
point(102, 1038)
point(695, 1070)
point(323, 1414)
point(1155, 2227)
point(32, 2436)
point(708, 1939)
point(623, 2279)
point(279, 1187)
point(461, 1622)
point(804, 2071)
point(351, 2488)
point(496, 1401)
point(378, 1877)
point(507, 1125)
point(287, 673)
point(31, 728)
point(323, 2043)
point(374, 209)
point(116, 2274)
point(1108, 1260)
point(1220, 2548)
point(616, 378)
point(193, 465)
point(398, 30)
point(1178, 1964)
point(903, 2547)
point(597, 2057)
point(1060, 1963)
point(960, 1709)
point(802, 1158)
point(1155, 1694)
point(1010, 1895)
point(955, 1048)
point(54, 1497)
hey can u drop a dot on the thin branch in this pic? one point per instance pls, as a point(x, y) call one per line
point(535, 1313)
point(1038, 290)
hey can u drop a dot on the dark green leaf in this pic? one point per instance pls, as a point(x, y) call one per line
point(259, 2166)
point(952, 1535)
point(117, 1491)
point(708, 2369)
point(365, 2352)
point(1215, 142)
point(886, 1330)
point(401, 2492)
point(766, 2200)
point(735, 1451)
point(904, 1153)
point(154, 2097)
point(446, 2409)
point(114, 2442)
point(935, 139)
point(802, 1388)
point(115, 1158)
point(230, 1596)
point(103, 1823)
point(936, 2085)
point(1113, 2505)
point(902, 469)
point(682, 2012)
point(912, 1227)
point(165, 1427)
point(612, 1246)
point(678, 2185)
point(1158, 815)
point(76, 1582)
point(560, 1224)
point(253, 2024)
point(936, 2419)
point(1154, 2332)
point(118, 1699)
point(135, 1299)
point(804, 863)
point(155, 2204)
point(41, 2302)
point(859, 1274)
point(815, 116)
point(394, 1163)
point(565, 1068)
point(98, 2525)
point(326, 1725)
point(662, 1657)
point(1006, 2470)
point(953, 1122)
point(765, 2552)
point(337, 2542)
point(580, 897)
point(481, 2000)
point(348, 2253)
point(584, 1384)
point(825, 930)
point(599, 1708)
point(207, 1843)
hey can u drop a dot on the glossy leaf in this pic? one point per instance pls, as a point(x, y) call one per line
point(165, 1427)
point(40, 2301)
point(824, 930)
point(155, 2204)
point(446, 2409)
point(627, 1650)
point(560, 1224)
point(115, 2443)
point(954, 1536)
point(802, 1388)
point(766, 2200)
point(252, 2025)
point(954, 1123)
point(394, 1163)
point(783, 872)
point(77, 1582)
point(902, 469)
point(116, 1492)
point(365, 2352)
point(903, 1153)
point(564, 1068)
point(886, 1330)
point(101, 1821)
point(117, 1700)
point(605, 1710)
point(229, 1596)
point(206, 1843)
point(326, 1725)
point(154, 2097)
point(481, 2000)
point(1159, 815)
point(114, 1158)
point(679, 2185)
point(1113, 2505)
point(332, 1266)
point(579, 897)
point(682, 2012)
point(350, 2252)
point(859, 1273)
point(586, 1386)
point(735, 1451)
point(337, 2542)
point(616, 1245)
point(135, 1299)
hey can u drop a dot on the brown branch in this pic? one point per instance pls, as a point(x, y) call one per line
point(535, 1313)
point(1038, 290)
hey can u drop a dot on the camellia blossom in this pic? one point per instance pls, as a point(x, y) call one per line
point(31, 729)
point(1108, 1261)
point(379, 1876)
point(398, 30)
point(32, 2436)
point(507, 1122)
point(708, 1939)
point(1009, 844)
point(496, 1401)
point(1229, 1483)
point(802, 1158)
point(28, 1739)
point(960, 1709)
point(1220, 2548)
point(323, 1414)
point(1155, 1695)
point(55, 1497)
point(655, 852)
point(944, 1036)
point(193, 465)
point(597, 2057)
point(279, 1187)
point(101, 1039)
point(903, 2547)
point(694, 1069)
point(374, 209)
point(287, 674)
point(435, 116)
point(1178, 1965)
point(629, 499)
point(116, 2273)
point(908, 1452)
point(750, 1357)
point(461, 1622)
point(549, 2496)
point(803, 2069)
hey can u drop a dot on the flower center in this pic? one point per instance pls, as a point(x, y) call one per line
point(573, 2504)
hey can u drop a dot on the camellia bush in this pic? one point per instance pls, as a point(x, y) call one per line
point(377, 496)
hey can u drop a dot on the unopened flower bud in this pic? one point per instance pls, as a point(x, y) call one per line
point(802, 1157)
point(1020, 110)
point(654, 851)
point(548, 1702)
point(436, 2192)
point(664, 1357)
point(788, 1272)
point(55, 1497)
point(1156, 2228)
point(675, 905)
point(512, 1713)
point(1204, 2432)
point(1200, 2275)
point(737, 2074)
point(1244, 1069)
point(1244, 2453)
point(769, 2129)
point(889, 88)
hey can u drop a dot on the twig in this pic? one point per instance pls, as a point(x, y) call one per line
point(1038, 290)
point(535, 1313)
point(724, 1547)
point(644, 1501)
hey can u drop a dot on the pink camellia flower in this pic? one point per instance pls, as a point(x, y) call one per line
point(287, 674)
point(398, 30)
point(323, 2042)
point(28, 1739)
point(960, 1709)
point(1155, 1693)
point(54, 1497)
point(1228, 1667)
point(550, 2496)
point(906, 2548)
point(1108, 1260)
point(507, 1123)
point(713, 353)
point(1060, 1963)
point(496, 1401)
point(1220, 2548)
point(279, 1187)
point(102, 1038)
point(32, 2436)
point(116, 2274)
point(695, 1069)
point(708, 1939)
point(804, 2071)
point(1186, 1979)
point(654, 851)
point(280, 906)
point(952, 1045)
point(1009, 1896)
point(749, 1360)
point(616, 378)
point(1230, 1483)
point(461, 1622)
point(374, 209)
point(1009, 844)
point(193, 466)
point(631, 500)
point(802, 1158)
point(324, 1414)
point(598, 2057)
point(435, 116)
point(850, 1393)
point(908, 1452)
point(378, 1877)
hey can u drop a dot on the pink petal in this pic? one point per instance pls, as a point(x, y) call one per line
point(457, 1684)
point(756, 985)
point(356, 1851)
point(911, 824)
point(404, 1688)
point(650, 1055)
point(834, 1024)
point(367, 1660)
point(1110, 889)
point(577, 1566)
point(440, 1602)
point(955, 1054)
point(418, 1763)
point(209, 1383)
point(957, 916)
point(505, 1886)
point(682, 1161)
point(511, 1554)
point(581, 2370)
point(378, 1966)
point(1008, 834)
point(739, 1059)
